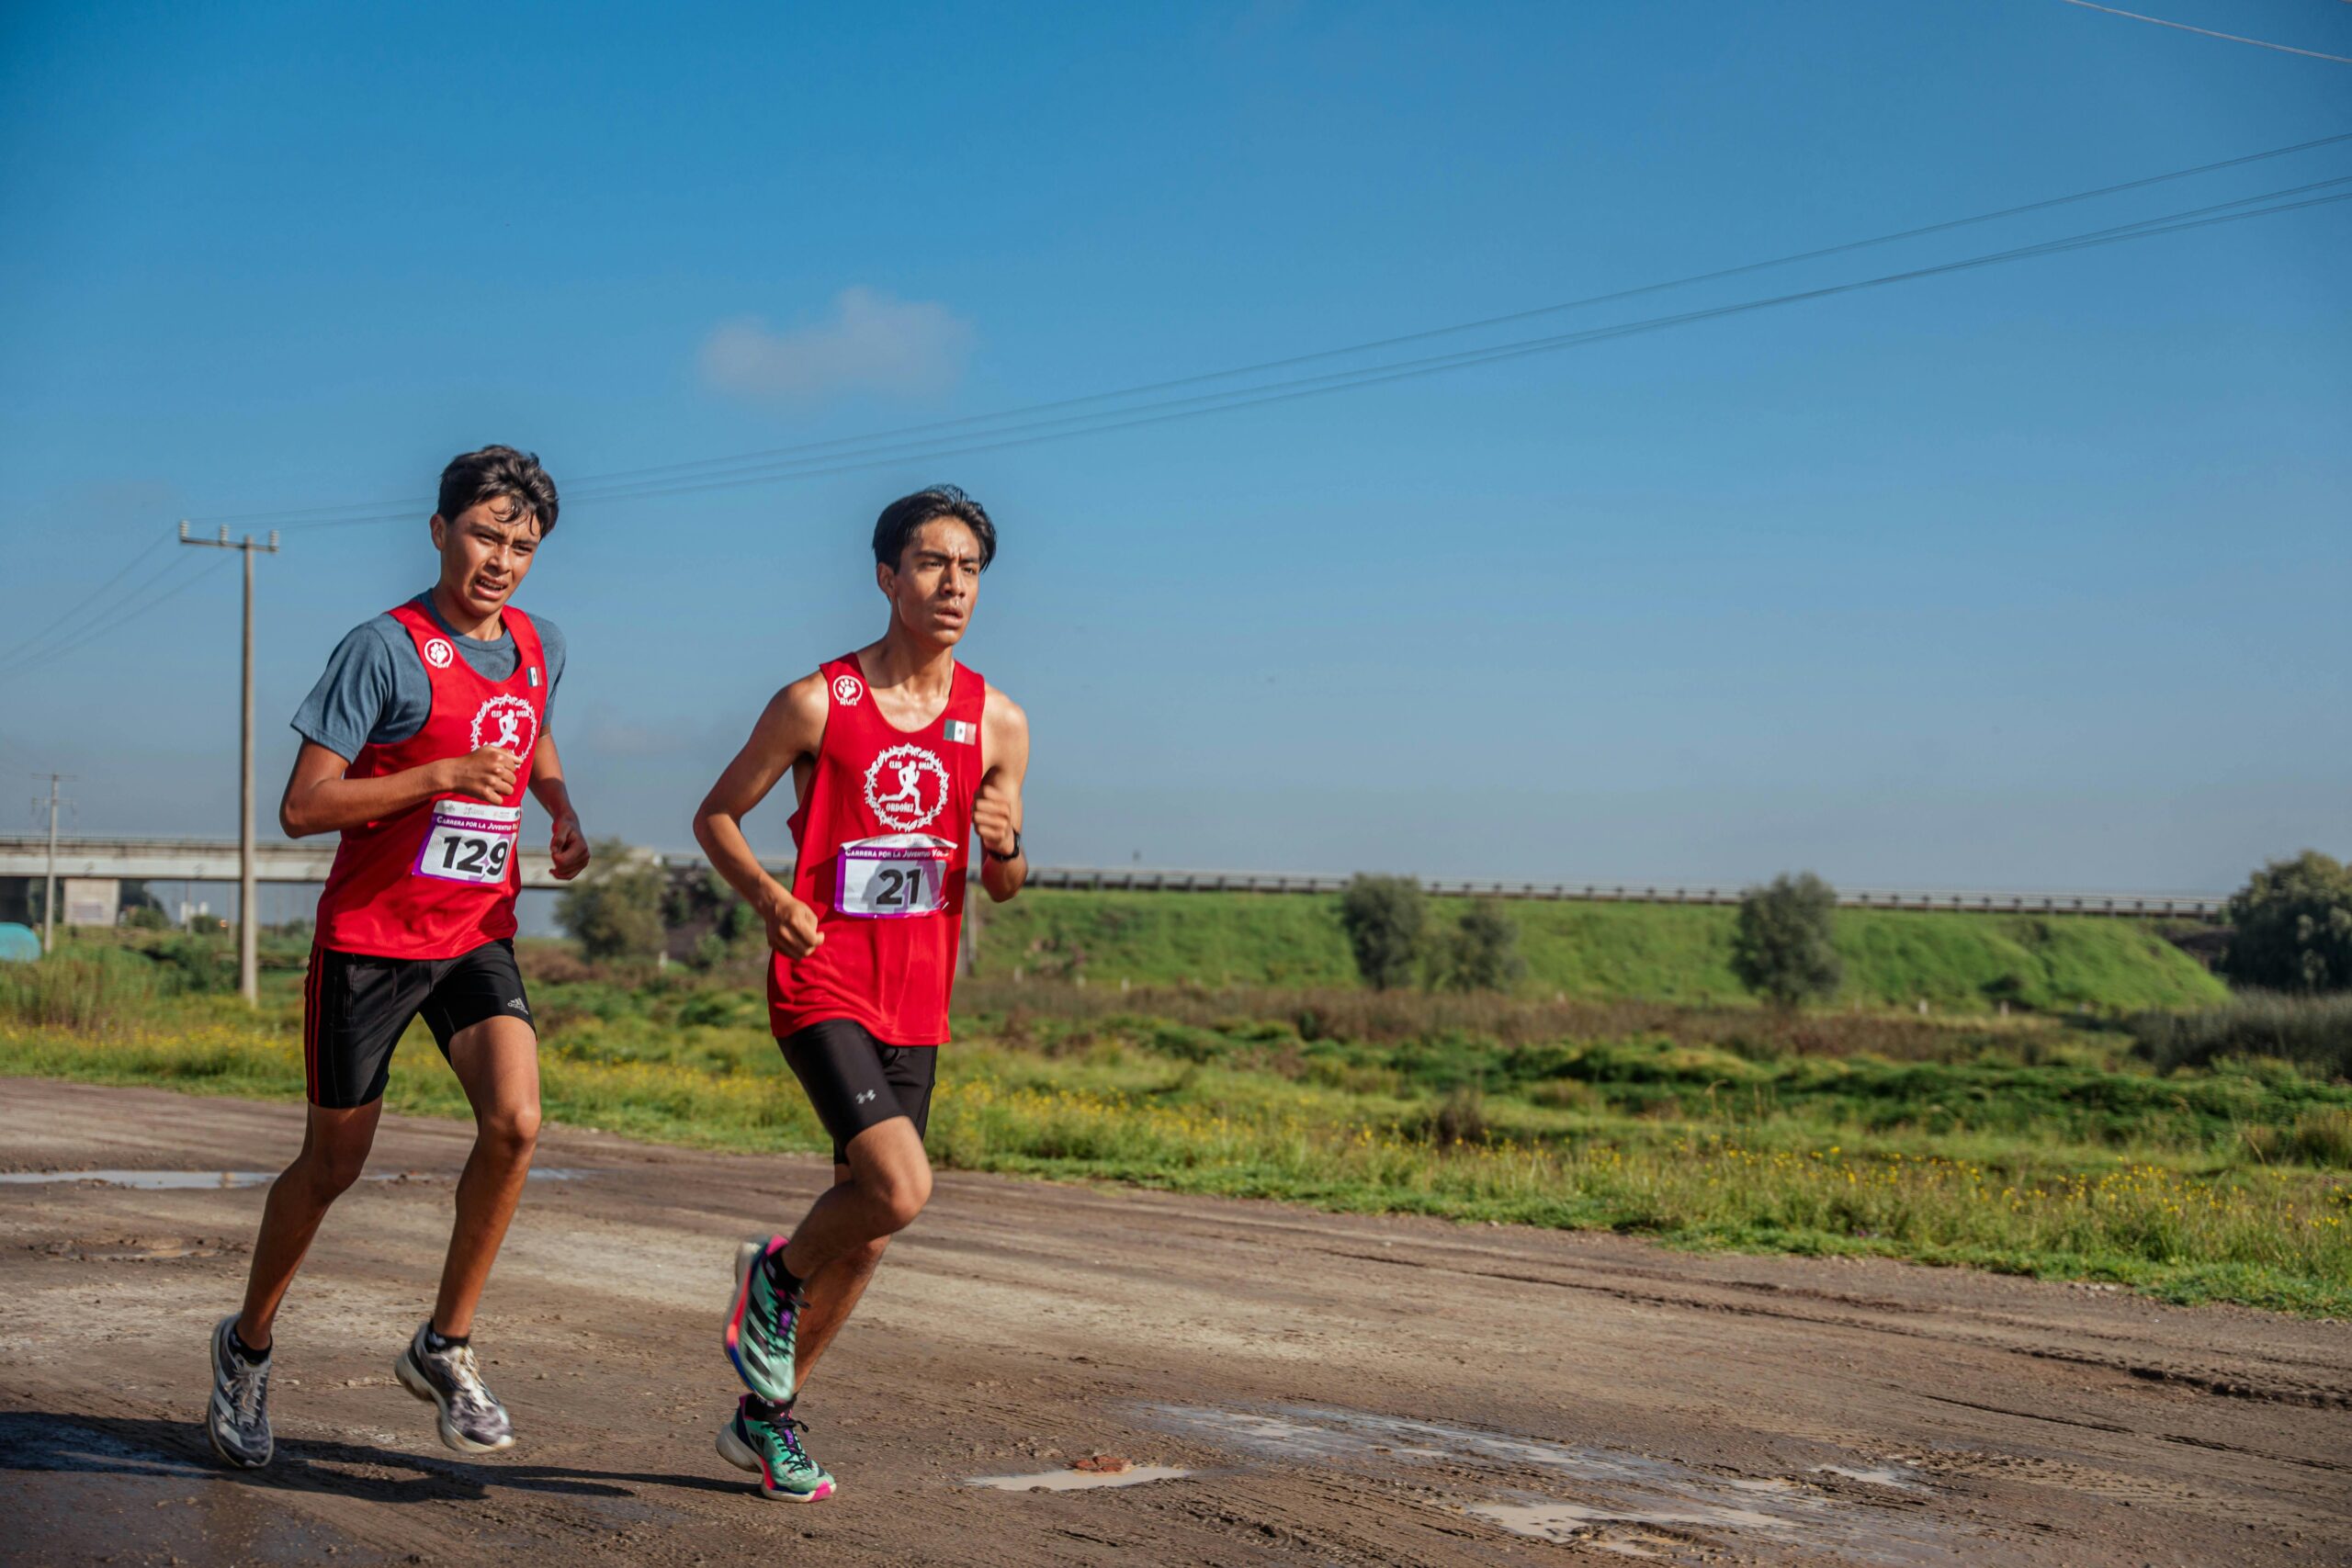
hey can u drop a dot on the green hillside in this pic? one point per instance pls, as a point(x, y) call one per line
point(1658, 951)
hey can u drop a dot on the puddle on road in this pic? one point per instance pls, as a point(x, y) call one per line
point(1078, 1480)
point(197, 1180)
point(1621, 1502)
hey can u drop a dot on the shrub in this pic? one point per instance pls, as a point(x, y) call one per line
point(1781, 948)
point(195, 964)
point(1383, 916)
point(2291, 926)
point(1459, 1118)
point(2315, 1033)
point(615, 910)
point(1481, 954)
point(94, 990)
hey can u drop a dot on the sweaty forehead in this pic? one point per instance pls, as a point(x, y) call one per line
point(946, 537)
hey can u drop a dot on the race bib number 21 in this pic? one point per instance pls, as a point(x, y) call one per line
point(470, 842)
point(880, 880)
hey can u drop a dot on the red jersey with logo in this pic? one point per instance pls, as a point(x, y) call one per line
point(882, 838)
point(439, 879)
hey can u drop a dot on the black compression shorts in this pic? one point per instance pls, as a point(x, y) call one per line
point(856, 1082)
point(355, 1007)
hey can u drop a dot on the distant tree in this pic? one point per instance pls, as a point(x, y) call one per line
point(1481, 954)
point(615, 910)
point(706, 923)
point(1780, 949)
point(2291, 926)
point(1383, 916)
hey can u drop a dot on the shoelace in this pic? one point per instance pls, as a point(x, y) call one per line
point(248, 1385)
point(467, 1375)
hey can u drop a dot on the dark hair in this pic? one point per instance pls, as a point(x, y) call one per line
point(903, 516)
point(473, 478)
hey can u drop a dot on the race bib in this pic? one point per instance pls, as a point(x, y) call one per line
point(469, 842)
point(892, 877)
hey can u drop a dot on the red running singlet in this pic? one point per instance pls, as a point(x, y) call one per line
point(881, 840)
point(439, 879)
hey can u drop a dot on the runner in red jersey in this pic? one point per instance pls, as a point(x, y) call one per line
point(900, 757)
point(419, 745)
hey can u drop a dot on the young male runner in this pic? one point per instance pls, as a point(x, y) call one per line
point(898, 755)
point(417, 744)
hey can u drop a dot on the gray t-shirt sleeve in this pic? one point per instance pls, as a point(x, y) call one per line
point(550, 645)
point(372, 691)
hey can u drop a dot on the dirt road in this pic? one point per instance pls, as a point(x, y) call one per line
point(1339, 1390)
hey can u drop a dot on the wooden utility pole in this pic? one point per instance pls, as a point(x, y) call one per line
point(248, 915)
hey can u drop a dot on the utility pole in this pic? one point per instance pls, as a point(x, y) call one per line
point(248, 913)
point(49, 888)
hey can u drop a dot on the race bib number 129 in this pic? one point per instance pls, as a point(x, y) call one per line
point(880, 880)
point(469, 842)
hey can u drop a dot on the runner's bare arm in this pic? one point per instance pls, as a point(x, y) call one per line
point(787, 732)
point(319, 799)
point(569, 845)
point(996, 809)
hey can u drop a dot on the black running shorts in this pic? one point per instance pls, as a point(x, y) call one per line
point(355, 1007)
point(856, 1082)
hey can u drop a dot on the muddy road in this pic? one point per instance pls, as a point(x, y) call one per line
point(1335, 1390)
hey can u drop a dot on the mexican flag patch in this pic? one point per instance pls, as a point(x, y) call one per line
point(967, 733)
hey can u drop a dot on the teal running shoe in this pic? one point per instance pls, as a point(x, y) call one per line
point(770, 1447)
point(763, 1323)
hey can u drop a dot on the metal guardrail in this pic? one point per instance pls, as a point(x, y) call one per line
point(215, 859)
point(2134, 904)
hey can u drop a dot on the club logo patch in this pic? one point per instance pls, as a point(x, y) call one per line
point(847, 689)
point(509, 724)
point(438, 653)
point(916, 785)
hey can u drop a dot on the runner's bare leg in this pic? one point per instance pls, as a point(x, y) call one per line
point(497, 1060)
point(833, 1295)
point(334, 1151)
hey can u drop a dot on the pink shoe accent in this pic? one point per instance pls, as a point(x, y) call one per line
point(734, 1335)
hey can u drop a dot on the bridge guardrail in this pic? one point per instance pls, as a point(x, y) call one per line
point(211, 860)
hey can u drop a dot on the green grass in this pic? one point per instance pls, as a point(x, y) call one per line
point(2031, 1146)
point(1657, 952)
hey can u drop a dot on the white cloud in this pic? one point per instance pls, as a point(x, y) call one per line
point(870, 343)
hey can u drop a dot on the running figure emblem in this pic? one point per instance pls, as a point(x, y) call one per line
point(508, 724)
point(918, 787)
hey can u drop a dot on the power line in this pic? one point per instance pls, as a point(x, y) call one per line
point(68, 612)
point(593, 486)
point(37, 649)
point(2208, 32)
point(114, 621)
point(1109, 421)
point(1343, 379)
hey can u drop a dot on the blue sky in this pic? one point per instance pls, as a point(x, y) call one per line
point(2031, 575)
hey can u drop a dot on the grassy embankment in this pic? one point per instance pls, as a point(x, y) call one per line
point(2027, 1143)
point(1657, 952)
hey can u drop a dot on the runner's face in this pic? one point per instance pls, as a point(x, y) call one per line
point(937, 581)
point(485, 552)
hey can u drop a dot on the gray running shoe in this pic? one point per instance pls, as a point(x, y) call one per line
point(238, 1418)
point(472, 1421)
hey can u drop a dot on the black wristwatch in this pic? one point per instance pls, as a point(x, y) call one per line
point(987, 853)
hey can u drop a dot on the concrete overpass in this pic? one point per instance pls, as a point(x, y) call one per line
point(215, 859)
